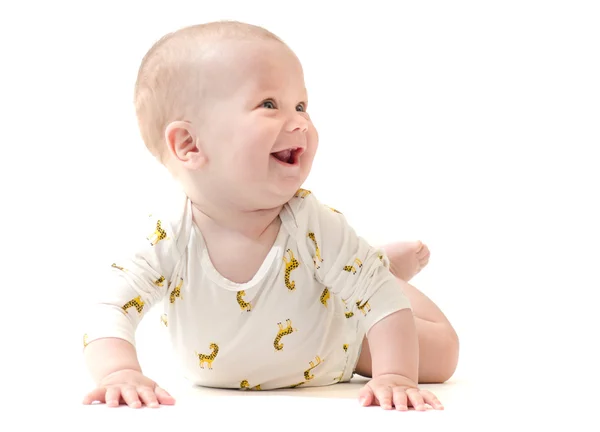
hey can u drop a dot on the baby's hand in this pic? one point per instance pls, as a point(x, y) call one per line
point(397, 389)
point(129, 386)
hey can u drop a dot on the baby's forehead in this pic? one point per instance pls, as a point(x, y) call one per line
point(256, 54)
point(261, 62)
point(218, 59)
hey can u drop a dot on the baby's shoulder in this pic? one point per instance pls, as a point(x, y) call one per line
point(301, 201)
point(162, 230)
point(304, 202)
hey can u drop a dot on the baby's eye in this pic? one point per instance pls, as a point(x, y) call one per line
point(268, 104)
point(300, 107)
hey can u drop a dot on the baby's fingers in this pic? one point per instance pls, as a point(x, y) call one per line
point(130, 396)
point(163, 396)
point(431, 399)
point(366, 397)
point(148, 397)
point(384, 396)
point(113, 396)
point(399, 395)
point(96, 395)
point(110, 396)
point(416, 400)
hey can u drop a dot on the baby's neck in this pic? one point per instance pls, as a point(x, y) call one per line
point(237, 242)
point(227, 222)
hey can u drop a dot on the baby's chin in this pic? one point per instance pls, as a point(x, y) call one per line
point(278, 194)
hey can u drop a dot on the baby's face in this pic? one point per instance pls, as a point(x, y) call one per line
point(258, 137)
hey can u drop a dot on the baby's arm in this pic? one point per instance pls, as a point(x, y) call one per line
point(107, 355)
point(129, 289)
point(360, 275)
point(394, 346)
point(356, 272)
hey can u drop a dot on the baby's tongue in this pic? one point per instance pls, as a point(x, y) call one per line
point(283, 155)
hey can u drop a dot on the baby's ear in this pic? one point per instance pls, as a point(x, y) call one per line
point(182, 142)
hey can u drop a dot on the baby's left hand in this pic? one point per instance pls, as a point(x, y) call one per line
point(396, 390)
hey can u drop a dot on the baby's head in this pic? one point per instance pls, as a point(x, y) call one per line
point(223, 106)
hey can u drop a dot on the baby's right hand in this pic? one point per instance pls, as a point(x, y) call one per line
point(131, 387)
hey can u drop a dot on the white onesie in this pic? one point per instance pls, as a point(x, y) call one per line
point(299, 322)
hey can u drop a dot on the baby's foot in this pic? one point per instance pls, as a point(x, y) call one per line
point(407, 258)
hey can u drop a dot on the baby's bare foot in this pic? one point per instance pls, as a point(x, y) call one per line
point(407, 258)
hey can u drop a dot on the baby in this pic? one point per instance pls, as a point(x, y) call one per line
point(263, 286)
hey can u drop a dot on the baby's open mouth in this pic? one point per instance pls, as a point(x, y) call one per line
point(288, 156)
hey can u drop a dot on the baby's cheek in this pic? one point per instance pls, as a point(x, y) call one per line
point(249, 168)
point(313, 136)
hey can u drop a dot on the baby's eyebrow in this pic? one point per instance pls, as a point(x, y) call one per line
point(305, 98)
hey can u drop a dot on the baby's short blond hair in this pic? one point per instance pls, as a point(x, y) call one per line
point(163, 77)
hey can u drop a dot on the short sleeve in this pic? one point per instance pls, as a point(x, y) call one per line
point(347, 264)
point(134, 282)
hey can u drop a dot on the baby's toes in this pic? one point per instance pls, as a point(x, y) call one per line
point(423, 258)
point(418, 246)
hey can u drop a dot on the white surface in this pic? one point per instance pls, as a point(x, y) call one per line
point(486, 404)
point(480, 119)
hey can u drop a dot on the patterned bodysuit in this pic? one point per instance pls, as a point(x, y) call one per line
point(299, 322)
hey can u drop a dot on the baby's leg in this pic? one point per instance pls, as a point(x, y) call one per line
point(438, 342)
point(407, 258)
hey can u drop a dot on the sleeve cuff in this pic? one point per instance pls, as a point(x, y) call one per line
point(389, 298)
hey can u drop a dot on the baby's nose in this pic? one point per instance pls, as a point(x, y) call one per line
point(297, 122)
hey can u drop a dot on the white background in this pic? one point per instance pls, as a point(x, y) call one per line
point(473, 126)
